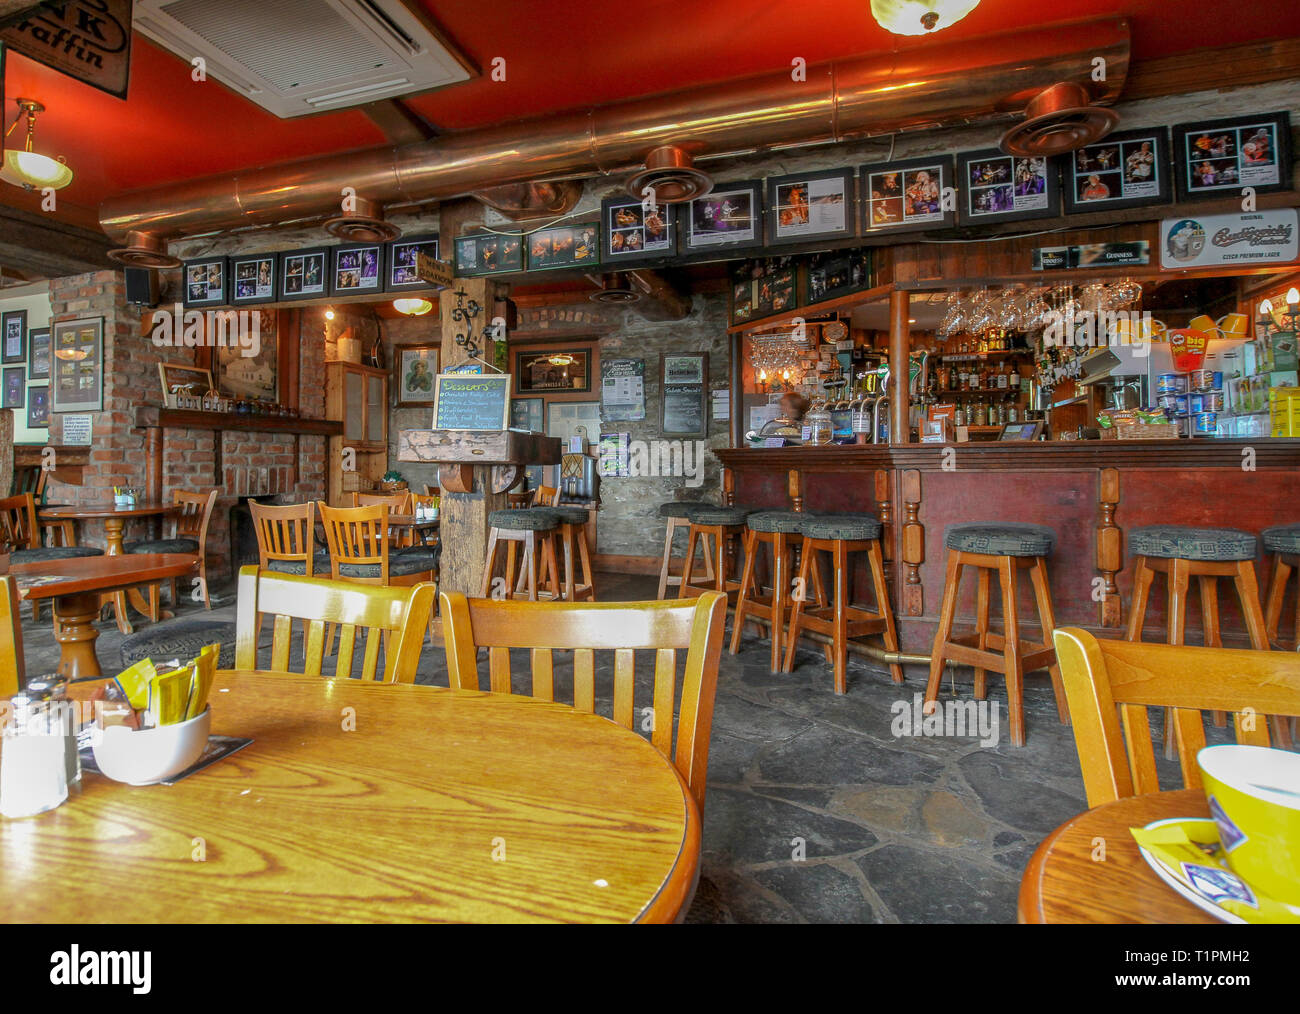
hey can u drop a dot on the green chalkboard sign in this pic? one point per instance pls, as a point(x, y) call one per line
point(466, 401)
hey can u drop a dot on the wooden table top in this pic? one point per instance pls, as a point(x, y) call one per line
point(105, 510)
point(98, 573)
point(409, 521)
point(398, 820)
point(1063, 883)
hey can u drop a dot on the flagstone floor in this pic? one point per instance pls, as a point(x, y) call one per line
point(816, 811)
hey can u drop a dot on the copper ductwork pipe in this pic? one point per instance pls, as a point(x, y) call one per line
point(936, 83)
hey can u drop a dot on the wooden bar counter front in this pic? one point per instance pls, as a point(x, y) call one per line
point(1089, 492)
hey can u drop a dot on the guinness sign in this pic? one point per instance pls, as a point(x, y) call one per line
point(89, 40)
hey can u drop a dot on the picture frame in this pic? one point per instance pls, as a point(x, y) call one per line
point(38, 407)
point(205, 282)
point(399, 262)
point(684, 394)
point(762, 287)
point(729, 217)
point(183, 383)
point(415, 372)
point(77, 365)
point(838, 273)
point(13, 334)
point(253, 278)
point(684, 368)
point(565, 246)
point(534, 374)
point(996, 187)
point(632, 234)
point(14, 387)
point(528, 414)
point(1125, 169)
point(907, 195)
point(488, 253)
point(564, 419)
point(1217, 158)
point(806, 207)
point(357, 268)
point(237, 375)
point(304, 274)
point(39, 353)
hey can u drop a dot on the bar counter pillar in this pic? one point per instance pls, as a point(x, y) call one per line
point(899, 338)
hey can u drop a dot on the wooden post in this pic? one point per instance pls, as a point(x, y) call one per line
point(913, 544)
point(153, 465)
point(1110, 552)
point(899, 345)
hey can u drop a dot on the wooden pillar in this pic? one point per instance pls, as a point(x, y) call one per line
point(6, 451)
point(153, 465)
point(899, 346)
point(1110, 548)
point(913, 601)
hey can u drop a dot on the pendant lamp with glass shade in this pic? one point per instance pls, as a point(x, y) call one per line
point(412, 307)
point(920, 17)
point(27, 168)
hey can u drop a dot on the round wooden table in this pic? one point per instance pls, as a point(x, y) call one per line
point(1063, 883)
point(371, 802)
point(115, 519)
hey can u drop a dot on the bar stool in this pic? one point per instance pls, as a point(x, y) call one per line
point(722, 525)
point(836, 616)
point(1284, 543)
point(531, 528)
point(780, 531)
point(1005, 548)
point(573, 526)
point(678, 514)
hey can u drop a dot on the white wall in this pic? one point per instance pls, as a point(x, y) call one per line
point(35, 299)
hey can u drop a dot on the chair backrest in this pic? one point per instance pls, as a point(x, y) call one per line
point(398, 503)
point(1115, 750)
point(194, 515)
point(518, 501)
point(13, 676)
point(30, 479)
point(18, 523)
point(546, 496)
point(667, 627)
point(285, 533)
point(396, 618)
point(356, 535)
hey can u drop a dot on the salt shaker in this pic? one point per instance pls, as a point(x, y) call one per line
point(33, 764)
point(53, 690)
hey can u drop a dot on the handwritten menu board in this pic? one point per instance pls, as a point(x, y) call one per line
point(472, 402)
point(683, 381)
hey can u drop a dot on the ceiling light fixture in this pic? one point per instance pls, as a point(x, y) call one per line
point(412, 307)
point(919, 17)
point(29, 169)
point(329, 314)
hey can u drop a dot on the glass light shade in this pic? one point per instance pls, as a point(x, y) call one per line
point(1292, 296)
point(920, 17)
point(34, 171)
point(412, 307)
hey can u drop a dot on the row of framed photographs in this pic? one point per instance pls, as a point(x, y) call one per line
point(21, 344)
point(564, 246)
point(315, 273)
point(15, 394)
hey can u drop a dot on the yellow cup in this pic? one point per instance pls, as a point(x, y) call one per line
point(1254, 797)
point(1233, 325)
point(1203, 323)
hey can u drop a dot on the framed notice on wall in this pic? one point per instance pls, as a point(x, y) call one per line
point(77, 384)
point(1126, 169)
point(1217, 157)
point(907, 195)
point(1006, 188)
point(565, 246)
point(763, 287)
point(622, 389)
point(253, 278)
point(683, 394)
point(810, 206)
point(358, 268)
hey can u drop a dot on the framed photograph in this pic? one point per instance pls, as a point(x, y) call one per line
point(487, 253)
point(415, 369)
point(565, 419)
point(183, 385)
point(1216, 158)
point(38, 407)
point(683, 395)
point(253, 278)
point(528, 414)
point(759, 288)
point(1126, 169)
point(1006, 188)
point(15, 387)
point(13, 329)
point(238, 375)
point(569, 246)
point(838, 273)
point(400, 262)
point(77, 364)
point(534, 371)
point(810, 206)
point(907, 195)
point(633, 234)
point(304, 274)
point(729, 216)
point(357, 268)
point(38, 353)
point(206, 282)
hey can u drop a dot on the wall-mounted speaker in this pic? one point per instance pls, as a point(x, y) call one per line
point(142, 286)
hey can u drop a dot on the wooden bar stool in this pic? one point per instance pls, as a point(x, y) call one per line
point(678, 515)
point(722, 525)
point(1004, 548)
point(573, 527)
point(1284, 543)
point(836, 616)
point(780, 531)
point(534, 529)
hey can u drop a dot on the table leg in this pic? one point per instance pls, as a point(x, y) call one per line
point(74, 629)
point(113, 537)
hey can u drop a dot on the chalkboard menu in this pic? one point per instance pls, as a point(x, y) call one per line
point(683, 381)
point(464, 401)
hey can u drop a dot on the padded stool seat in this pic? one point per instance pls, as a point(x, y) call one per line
point(568, 514)
point(414, 560)
point(786, 522)
point(1179, 542)
point(529, 519)
point(320, 565)
point(181, 638)
point(714, 516)
point(47, 553)
point(681, 508)
point(1000, 538)
point(163, 546)
point(1282, 539)
point(849, 527)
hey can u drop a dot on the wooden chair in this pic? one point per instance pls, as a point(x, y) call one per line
point(546, 496)
point(398, 503)
point(395, 617)
point(410, 538)
point(1116, 751)
point(695, 626)
point(20, 538)
point(33, 479)
point(189, 536)
point(13, 676)
point(286, 538)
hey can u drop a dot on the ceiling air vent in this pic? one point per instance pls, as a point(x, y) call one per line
point(295, 57)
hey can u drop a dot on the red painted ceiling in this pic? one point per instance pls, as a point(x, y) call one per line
point(559, 55)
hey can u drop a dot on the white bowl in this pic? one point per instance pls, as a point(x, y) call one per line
point(147, 756)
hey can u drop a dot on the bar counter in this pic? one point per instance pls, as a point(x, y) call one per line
point(1089, 492)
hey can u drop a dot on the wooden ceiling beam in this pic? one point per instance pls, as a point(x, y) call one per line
point(1248, 63)
point(399, 125)
point(37, 245)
